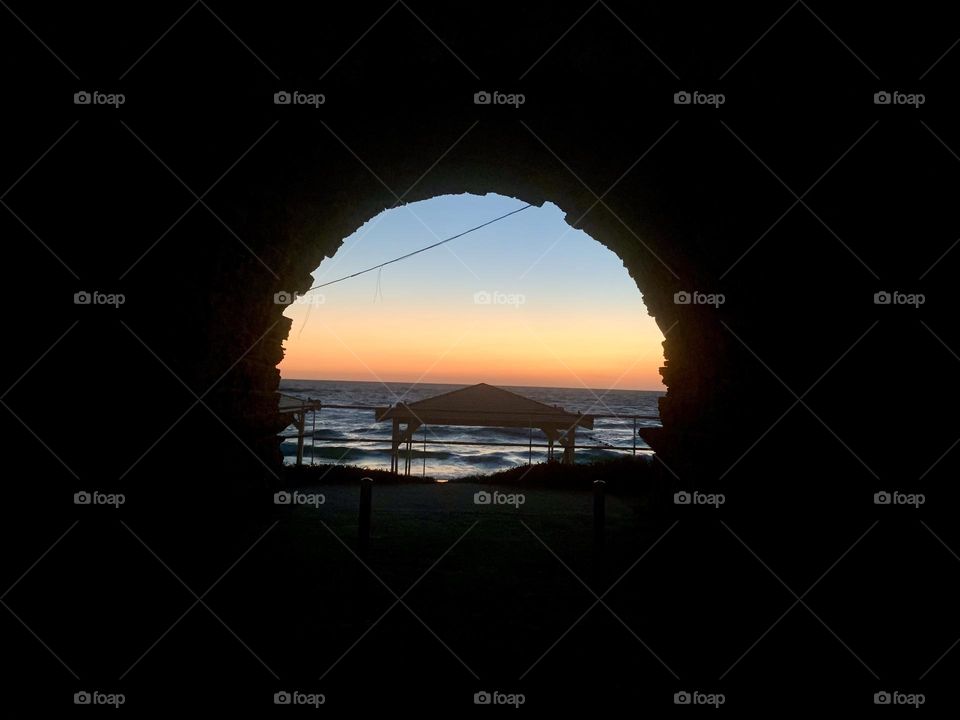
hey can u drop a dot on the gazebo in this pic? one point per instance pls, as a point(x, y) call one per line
point(482, 405)
point(294, 411)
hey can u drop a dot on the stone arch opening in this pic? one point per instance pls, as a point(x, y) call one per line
point(575, 320)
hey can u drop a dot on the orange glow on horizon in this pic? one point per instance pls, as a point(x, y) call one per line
point(500, 345)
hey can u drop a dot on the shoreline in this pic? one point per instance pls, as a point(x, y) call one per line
point(620, 474)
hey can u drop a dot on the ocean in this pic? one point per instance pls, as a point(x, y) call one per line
point(330, 441)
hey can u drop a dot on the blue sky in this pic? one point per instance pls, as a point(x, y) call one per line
point(552, 289)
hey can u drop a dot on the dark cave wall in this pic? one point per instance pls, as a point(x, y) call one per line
point(683, 182)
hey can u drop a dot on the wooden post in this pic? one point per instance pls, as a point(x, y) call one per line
point(313, 436)
point(366, 495)
point(599, 511)
point(571, 445)
point(550, 433)
point(301, 422)
point(395, 447)
point(409, 454)
point(634, 436)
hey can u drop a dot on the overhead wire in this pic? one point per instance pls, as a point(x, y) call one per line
point(420, 250)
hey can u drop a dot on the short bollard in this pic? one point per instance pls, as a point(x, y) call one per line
point(366, 495)
point(599, 511)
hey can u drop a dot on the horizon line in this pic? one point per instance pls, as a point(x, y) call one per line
point(417, 382)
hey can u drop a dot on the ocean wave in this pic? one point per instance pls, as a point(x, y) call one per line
point(338, 453)
point(492, 459)
point(327, 434)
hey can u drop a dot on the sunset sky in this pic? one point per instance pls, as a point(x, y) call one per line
point(525, 301)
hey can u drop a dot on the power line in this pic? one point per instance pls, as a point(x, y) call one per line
point(423, 249)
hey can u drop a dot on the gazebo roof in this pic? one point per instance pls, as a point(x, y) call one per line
point(287, 404)
point(484, 405)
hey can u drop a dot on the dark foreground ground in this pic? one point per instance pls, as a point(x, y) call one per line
point(189, 605)
point(456, 597)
